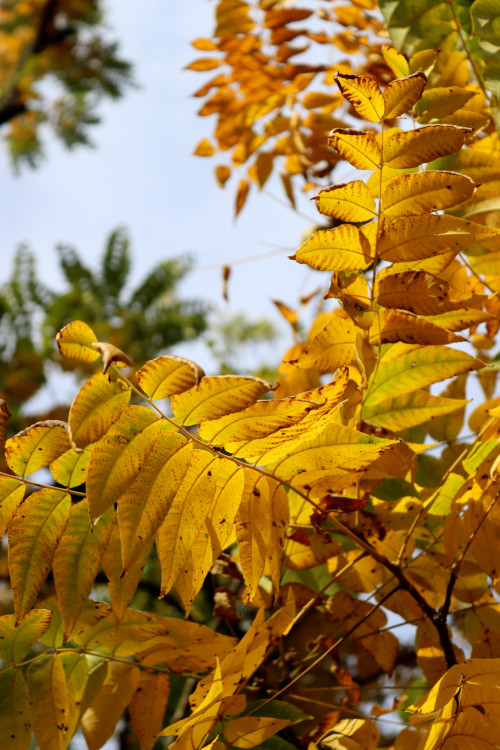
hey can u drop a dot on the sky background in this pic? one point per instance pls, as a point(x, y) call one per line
point(142, 175)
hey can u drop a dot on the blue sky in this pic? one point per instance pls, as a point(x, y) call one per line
point(142, 175)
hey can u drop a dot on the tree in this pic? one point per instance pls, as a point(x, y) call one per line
point(61, 43)
point(318, 511)
point(151, 315)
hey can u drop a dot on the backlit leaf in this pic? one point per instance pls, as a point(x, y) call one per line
point(100, 719)
point(167, 375)
point(49, 706)
point(411, 409)
point(15, 642)
point(358, 148)
point(364, 95)
point(401, 95)
point(332, 347)
point(418, 237)
point(458, 320)
point(37, 446)
point(408, 369)
point(422, 293)
point(75, 342)
point(344, 248)
point(180, 528)
point(14, 711)
point(77, 561)
point(97, 406)
point(396, 325)
point(396, 61)
point(4, 416)
point(148, 498)
point(409, 148)
point(11, 496)
point(253, 528)
point(147, 707)
point(217, 396)
point(122, 587)
point(33, 536)
point(422, 192)
point(441, 101)
point(70, 469)
point(250, 731)
point(118, 457)
point(350, 201)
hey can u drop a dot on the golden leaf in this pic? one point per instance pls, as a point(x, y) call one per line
point(364, 95)
point(77, 560)
point(11, 496)
point(332, 347)
point(358, 148)
point(37, 446)
point(49, 705)
point(344, 248)
point(422, 192)
point(411, 409)
point(70, 469)
point(75, 342)
point(418, 237)
point(396, 325)
point(396, 61)
point(122, 587)
point(438, 102)
point(97, 406)
point(34, 533)
point(15, 642)
point(4, 416)
point(350, 201)
point(249, 731)
point(168, 375)
point(241, 195)
point(100, 719)
point(214, 397)
point(422, 293)
point(147, 707)
point(409, 148)
point(401, 95)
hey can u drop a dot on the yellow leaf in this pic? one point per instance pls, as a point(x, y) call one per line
point(458, 320)
point(217, 396)
point(76, 670)
point(249, 731)
point(291, 316)
point(358, 148)
point(422, 293)
point(148, 498)
point(241, 195)
point(256, 421)
point(49, 705)
point(332, 347)
point(364, 95)
point(352, 734)
point(253, 528)
point(395, 325)
point(350, 201)
point(203, 64)
point(97, 406)
point(287, 184)
point(418, 237)
point(442, 101)
point(11, 496)
point(77, 561)
point(395, 61)
point(217, 528)
point(411, 409)
point(75, 342)
point(36, 446)
point(222, 174)
point(118, 457)
point(401, 95)
point(168, 375)
point(422, 192)
point(315, 99)
point(280, 515)
point(122, 587)
point(409, 148)
point(204, 148)
point(344, 248)
point(33, 536)
point(70, 469)
point(14, 711)
point(405, 369)
point(207, 45)
point(324, 463)
point(100, 719)
point(264, 167)
point(15, 642)
point(184, 519)
point(147, 707)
